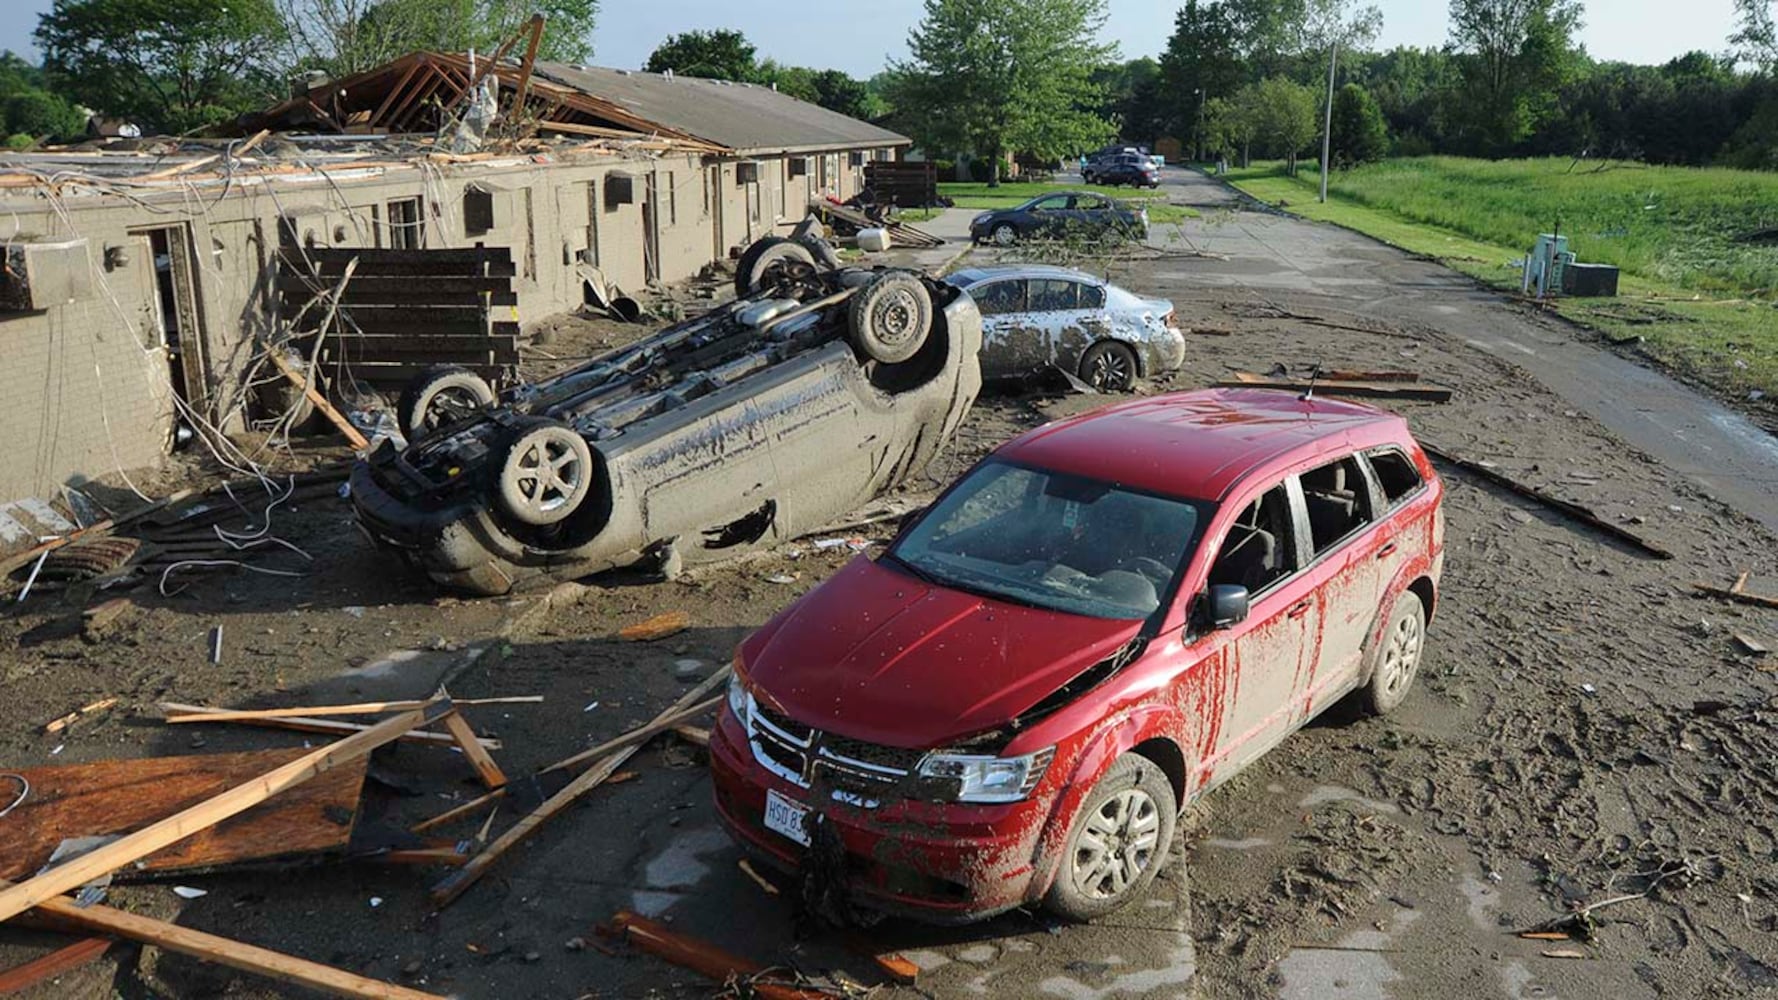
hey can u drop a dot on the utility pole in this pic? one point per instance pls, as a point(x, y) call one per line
point(1333, 55)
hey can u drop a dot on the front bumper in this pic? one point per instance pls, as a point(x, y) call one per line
point(938, 863)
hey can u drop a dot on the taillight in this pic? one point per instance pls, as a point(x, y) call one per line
point(1168, 322)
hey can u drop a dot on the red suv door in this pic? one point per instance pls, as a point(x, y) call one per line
point(1345, 546)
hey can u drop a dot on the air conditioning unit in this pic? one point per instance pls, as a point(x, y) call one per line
point(747, 172)
point(799, 166)
point(43, 275)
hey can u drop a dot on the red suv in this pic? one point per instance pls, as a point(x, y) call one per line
point(1098, 623)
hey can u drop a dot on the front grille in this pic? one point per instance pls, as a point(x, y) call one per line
point(855, 771)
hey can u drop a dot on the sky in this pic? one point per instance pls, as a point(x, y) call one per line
point(861, 36)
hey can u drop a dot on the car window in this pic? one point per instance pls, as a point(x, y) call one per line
point(1054, 203)
point(1091, 201)
point(1338, 501)
point(1052, 294)
point(1092, 297)
point(1260, 548)
point(996, 297)
point(1395, 473)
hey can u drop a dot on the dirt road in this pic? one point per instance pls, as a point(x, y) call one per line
point(1584, 728)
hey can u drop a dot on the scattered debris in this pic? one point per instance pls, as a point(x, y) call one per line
point(304, 724)
point(75, 716)
point(1568, 507)
point(1332, 387)
point(177, 713)
point(748, 870)
point(1750, 645)
point(706, 959)
point(658, 627)
point(47, 967)
point(187, 892)
point(1737, 593)
point(1564, 953)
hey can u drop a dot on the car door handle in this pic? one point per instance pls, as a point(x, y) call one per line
point(1301, 609)
point(1386, 551)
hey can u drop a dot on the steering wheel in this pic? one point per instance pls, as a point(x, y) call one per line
point(1157, 572)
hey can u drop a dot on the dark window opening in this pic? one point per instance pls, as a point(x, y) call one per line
point(799, 166)
point(1260, 549)
point(407, 228)
point(478, 211)
point(620, 189)
point(1054, 295)
point(1338, 502)
point(999, 297)
point(1395, 474)
point(1092, 297)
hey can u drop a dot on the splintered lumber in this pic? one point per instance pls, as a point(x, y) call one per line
point(132, 847)
point(696, 735)
point(353, 437)
point(638, 736)
point(222, 951)
point(75, 716)
point(658, 627)
point(473, 751)
point(458, 812)
point(330, 727)
point(1736, 595)
point(1568, 507)
point(703, 958)
point(459, 881)
point(119, 796)
point(46, 967)
point(1425, 392)
point(198, 713)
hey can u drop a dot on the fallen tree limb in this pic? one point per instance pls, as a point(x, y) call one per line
point(94, 864)
point(223, 951)
point(458, 882)
point(1568, 507)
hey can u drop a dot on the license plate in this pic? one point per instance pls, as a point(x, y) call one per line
point(786, 817)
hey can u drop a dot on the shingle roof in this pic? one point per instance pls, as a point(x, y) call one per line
point(747, 118)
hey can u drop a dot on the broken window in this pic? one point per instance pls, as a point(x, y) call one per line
point(620, 189)
point(1260, 549)
point(1053, 294)
point(1092, 297)
point(1338, 502)
point(998, 297)
point(1395, 473)
point(478, 211)
point(407, 229)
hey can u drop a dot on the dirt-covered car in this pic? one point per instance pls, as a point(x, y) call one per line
point(816, 389)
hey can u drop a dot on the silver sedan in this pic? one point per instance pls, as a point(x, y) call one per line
point(1037, 316)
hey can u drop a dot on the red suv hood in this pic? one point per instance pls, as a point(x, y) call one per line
point(877, 655)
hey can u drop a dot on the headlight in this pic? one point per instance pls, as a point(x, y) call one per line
point(962, 777)
point(979, 220)
point(737, 696)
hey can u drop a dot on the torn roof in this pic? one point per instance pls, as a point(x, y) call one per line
point(746, 118)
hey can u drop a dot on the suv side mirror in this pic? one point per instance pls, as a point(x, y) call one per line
point(1228, 605)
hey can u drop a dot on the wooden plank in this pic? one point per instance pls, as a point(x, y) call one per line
point(78, 871)
point(470, 744)
point(376, 116)
point(635, 737)
point(458, 812)
point(659, 627)
point(221, 950)
point(330, 727)
point(121, 796)
point(368, 286)
point(392, 374)
point(695, 735)
point(1568, 507)
point(370, 258)
point(1738, 596)
point(200, 714)
point(704, 958)
point(372, 345)
point(103, 703)
point(353, 437)
point(47, 967)
point(419, 269)
point(459, 881)
point(1370, 390)
point(293, 303)
point(445, 321)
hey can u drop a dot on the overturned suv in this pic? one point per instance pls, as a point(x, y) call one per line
point(817, 388)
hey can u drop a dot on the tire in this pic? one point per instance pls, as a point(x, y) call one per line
point(753, 270)
point(1004, 234)
point(1394, 659)
point(440, 395)
point(546, 473)
point(1109, 366)
point(890, 318)
point(1125, 822)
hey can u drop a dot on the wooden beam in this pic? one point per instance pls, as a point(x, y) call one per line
point(377, 116)
point(696, 735)
point(470, 744)
point(704, 958)
point(636, 737)
point(357, 440)
point(94, 864)
point(223, 951)
point(1327, 387)
point(469, 808)
point(198, 713)
point(530, 62)
point(331, 727)
point(459, 881)
point(45, 967)
point(1738, 596)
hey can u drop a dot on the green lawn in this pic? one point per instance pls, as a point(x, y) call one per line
point(1704, 302)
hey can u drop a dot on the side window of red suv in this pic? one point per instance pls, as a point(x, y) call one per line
point(1260, 549)
point(1338, 500)
point(1395, 474)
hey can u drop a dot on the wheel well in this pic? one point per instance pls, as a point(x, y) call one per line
point(1141, 369)
point(1164, 754)
point(1423, 589)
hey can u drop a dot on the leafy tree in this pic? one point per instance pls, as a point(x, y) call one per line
point(1516, 55)
point(1414, 88)
point(796, 81)
point(836, 91)
point(177, 64)
point(998, 76)
point(348, 36)
point(1287, 118)
point(722, 54)
point(1202, 62)
point(29, 110)
point(1756, 38)
point(1359, 134)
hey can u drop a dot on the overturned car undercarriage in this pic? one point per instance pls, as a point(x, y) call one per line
point(815, 390)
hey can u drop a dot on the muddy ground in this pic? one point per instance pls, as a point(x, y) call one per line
point(1584, 728)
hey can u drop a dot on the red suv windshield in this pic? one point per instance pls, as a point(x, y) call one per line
point(1055, 541)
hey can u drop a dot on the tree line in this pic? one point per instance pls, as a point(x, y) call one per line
point(1242, 78)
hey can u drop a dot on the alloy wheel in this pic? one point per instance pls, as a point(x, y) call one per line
point(1119, 841)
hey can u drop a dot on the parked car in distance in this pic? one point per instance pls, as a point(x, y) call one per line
point(1095, 625)
point(1054, 216)
point(1133, 169)
point(1035, 316)
point(817, 389)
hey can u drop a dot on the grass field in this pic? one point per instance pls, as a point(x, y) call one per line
point(1012, 194)
point(1704, 302)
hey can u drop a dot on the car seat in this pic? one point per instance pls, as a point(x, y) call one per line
point(1332, 505)
point(1250, 558)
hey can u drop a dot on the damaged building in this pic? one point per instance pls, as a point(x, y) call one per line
point(146, 280)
